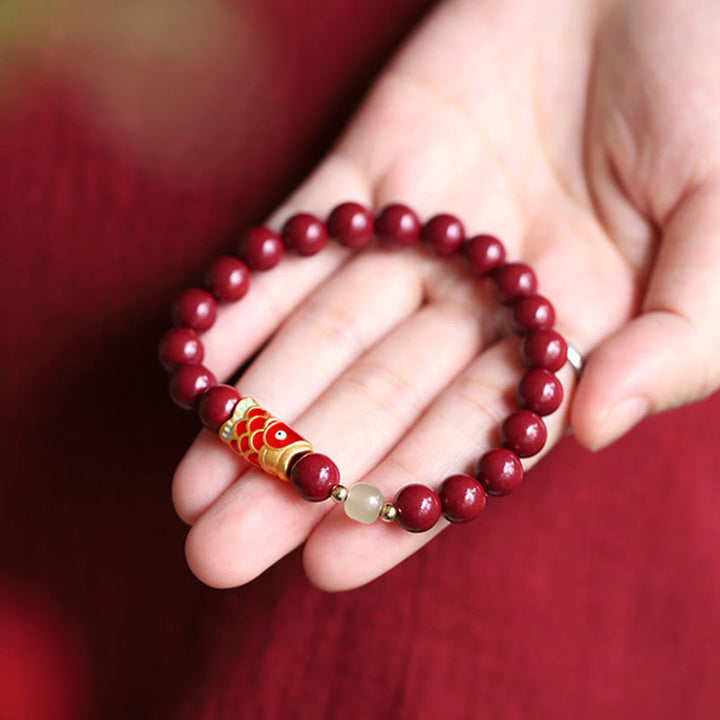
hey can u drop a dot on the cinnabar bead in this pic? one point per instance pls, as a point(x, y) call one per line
point(188, 383)
point(533, 312)
point(539, 391)
point(305, 234)
point(228, 278)
point(514, 280)
point(524, 433)
point(462, 498)
point(544, 349)
point(314, 476)
point(418, 508)
point(500, 471)
point(443, 233)
point(216, 406)
point(261, 248)
point(397, 225)
point(194, 308)
point(483, 254)
point(180, 346)
point(351, 224)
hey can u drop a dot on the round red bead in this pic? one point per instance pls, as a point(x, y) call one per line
point(261, 248)
point(514, 280)
point(540, 391)
point(228, 278)
point(418, 508)
point(545, 349)
point(216, 406)
point(500, 471)
point(179, 346)
point(443, 233)
point(397, 225)
point(483, 254)
point(351, 224)
point(462, 498)
point(314, 476)
point(533, 312)
point(188, 383)
point(524, 433)
point(194, 308)
point(305, 234)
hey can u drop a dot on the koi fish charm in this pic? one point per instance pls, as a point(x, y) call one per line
point(264, 441)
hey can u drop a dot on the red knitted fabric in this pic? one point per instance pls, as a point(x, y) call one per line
point(593, 592)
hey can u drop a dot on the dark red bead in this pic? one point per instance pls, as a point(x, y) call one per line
point(314, 476)
point(351, 224)
point(418, 508)
point(194, 308)
point(188, 383)
point(540, 391)
point(179, 346)
point(524, 433)
point(305, 234)
point(483, 254)
point(261, 248)
point(533, 312)
point(228, 278)
point(545, 349)
point(397, 225)
point(462, 498)
point(514, 280)
point(500, 471)
point(216, 406)
point(443, 233)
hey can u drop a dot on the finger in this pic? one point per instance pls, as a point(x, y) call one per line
point(459, 427)
point(359, 305)
point(389, 141)
point(668, 355)
point(242, 327)
point(357, 421)
point(340, 321)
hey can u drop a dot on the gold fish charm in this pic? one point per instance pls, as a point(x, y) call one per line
point(261, 439)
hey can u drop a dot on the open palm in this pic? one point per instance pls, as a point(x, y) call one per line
point(587, 137)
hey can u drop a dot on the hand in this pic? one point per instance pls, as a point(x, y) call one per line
point(587, 137)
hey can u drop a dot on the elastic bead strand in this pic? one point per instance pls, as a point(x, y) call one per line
point(261, 248)
point(282, 452)
point(443, 234)
point(228, 279)
point(539, 390)
point(483, 254)
point(524, 433)
point(363, 503)
point(188, 383)
point(397, 226)
point(514, 280)
point(418, 508)
point(305, 234)
point(195, 309)
point(351, 224)
point(339, 494)
point(180, 346)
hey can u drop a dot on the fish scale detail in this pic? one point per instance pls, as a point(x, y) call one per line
point(261, 439)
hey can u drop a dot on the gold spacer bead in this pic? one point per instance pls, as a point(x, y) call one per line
point(339, 494)
point(388, 512)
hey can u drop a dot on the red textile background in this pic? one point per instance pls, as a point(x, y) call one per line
point(594, 592)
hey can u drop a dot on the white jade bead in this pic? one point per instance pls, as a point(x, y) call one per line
point(364, 503)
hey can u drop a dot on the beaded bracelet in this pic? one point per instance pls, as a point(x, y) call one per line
point(268, 443)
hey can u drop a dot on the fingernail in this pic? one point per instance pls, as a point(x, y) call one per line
point(623, 416)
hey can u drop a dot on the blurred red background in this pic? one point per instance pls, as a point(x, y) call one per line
point(134, 141)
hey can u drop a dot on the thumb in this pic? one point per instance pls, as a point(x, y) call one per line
point(670, 354)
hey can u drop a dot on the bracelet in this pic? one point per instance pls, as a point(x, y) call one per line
point(266, 442)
